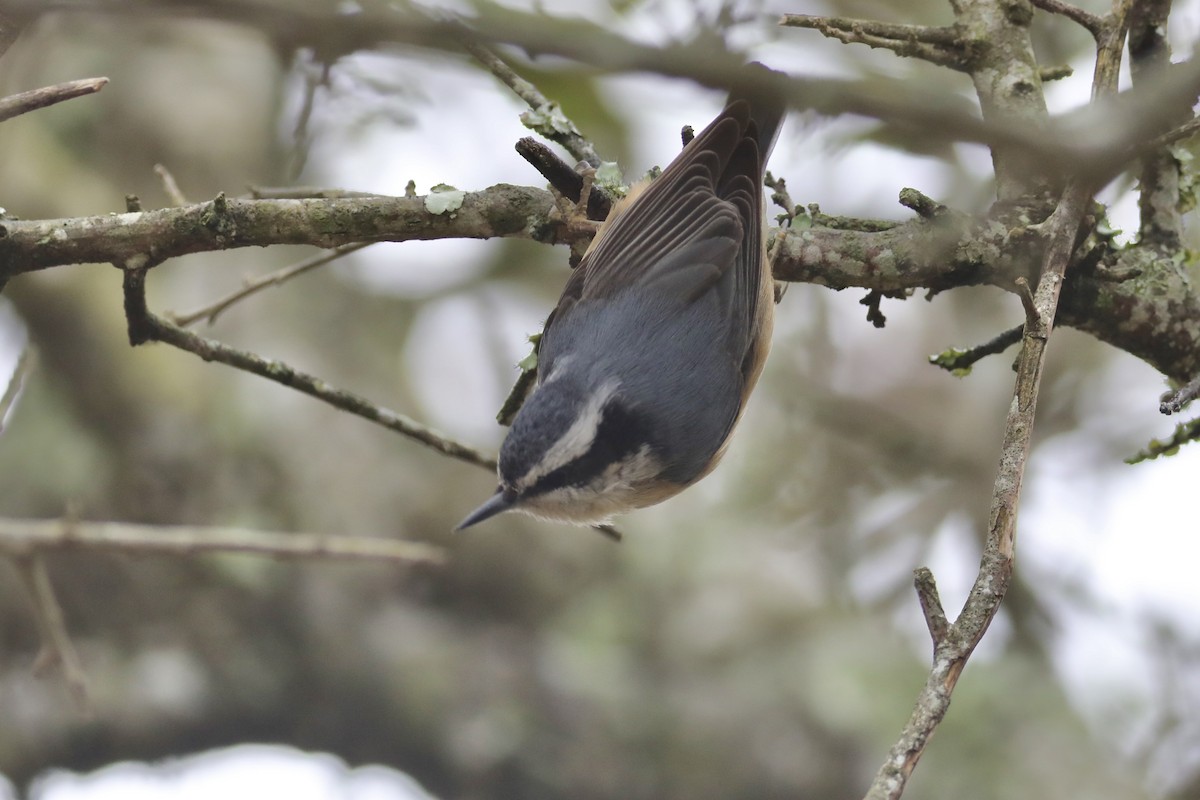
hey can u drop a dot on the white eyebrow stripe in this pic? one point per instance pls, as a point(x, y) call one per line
point(575, 442)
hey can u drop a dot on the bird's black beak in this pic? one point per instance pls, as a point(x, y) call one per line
point(500, 501)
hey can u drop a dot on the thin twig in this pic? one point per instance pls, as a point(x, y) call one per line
point(25, 366)
point(1184, 131)
point(1032, 315)
point(145, 326)
point(28, 537)
point(309, 193)
point(1056, 73)
point(781, 197)
point(923, 204)
point(170, 186)
point(931, 605)
point(1088, 20)
point(213, 310)
point(1184, 433)
point(57, 648)
point(961, 361)
point(562, 176)
point(16, 104)
point(1174, 401)
point(944, 46)
point(547, 117)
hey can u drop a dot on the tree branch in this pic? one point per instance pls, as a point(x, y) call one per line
point(1161, 222)
point(57, 648)
point(145, 326)
point(960, 361)
point(1090, 22)
point(943, 46)
point(25, 365)
point(1088, 149)
point(545, 117)
point(563, 177)
point(948, 250)
point(26, 538)
point(953, 650)
point(16, 104)
point(253, 286)
point(223, 223)
point(1174, 401)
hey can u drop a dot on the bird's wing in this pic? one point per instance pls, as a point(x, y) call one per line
point(679, 233)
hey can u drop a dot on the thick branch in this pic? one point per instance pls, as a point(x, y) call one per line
point(1007, 82)
point(1155, 317)
point(501, 210)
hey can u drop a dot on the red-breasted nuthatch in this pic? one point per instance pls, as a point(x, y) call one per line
point(646, 363)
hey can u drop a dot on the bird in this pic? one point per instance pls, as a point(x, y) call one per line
point(662, 330)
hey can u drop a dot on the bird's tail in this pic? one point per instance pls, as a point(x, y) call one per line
point(767, 106)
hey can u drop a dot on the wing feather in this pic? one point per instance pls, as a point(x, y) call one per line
point(696, 229)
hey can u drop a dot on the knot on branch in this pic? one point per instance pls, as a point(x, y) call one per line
point(216, 217)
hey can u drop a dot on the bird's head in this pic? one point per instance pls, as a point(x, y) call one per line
point(576, 453)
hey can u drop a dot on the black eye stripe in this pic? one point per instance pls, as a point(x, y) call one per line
point(620, 434)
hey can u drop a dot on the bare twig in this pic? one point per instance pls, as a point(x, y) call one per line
point(995, 569)
point(1032, 314)
point(781, 197)
point(25, 365)
point(961, 361)
point(931, 605)
point(1174, 401)
point(170, 186)
point(27, 537)
point(309, 192)
point(921, 203)
point(1094, 151)
point(563, 177)
point(57, 648)
point(873, 300)
point(1092, 23)
point(253, 286)
point(17, 104)
point(1056, 73)
point(225, 223)
point(547, 117)
point(1184, 131)
point(145, 326)
point(944, 46)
